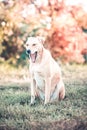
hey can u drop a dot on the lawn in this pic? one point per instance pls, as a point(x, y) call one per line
point(17, 114)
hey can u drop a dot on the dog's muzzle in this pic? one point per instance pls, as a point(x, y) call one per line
point(33, 56)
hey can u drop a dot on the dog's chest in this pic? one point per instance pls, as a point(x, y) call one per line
point(39, 79)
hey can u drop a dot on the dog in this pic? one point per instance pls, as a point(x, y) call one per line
point(46, 78)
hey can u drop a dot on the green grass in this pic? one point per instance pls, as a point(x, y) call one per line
point(16, 112)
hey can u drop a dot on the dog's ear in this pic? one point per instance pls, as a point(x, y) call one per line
point(41, 39)
point(24, 45)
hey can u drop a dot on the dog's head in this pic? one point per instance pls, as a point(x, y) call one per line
point(34, 48)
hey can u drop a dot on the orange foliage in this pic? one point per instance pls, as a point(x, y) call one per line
point(67, 40)
point(60, 24)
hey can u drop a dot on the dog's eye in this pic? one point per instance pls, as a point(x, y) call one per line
point(26, 44)
point(34, 44)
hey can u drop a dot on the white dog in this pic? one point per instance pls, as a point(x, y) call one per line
point(46, 79)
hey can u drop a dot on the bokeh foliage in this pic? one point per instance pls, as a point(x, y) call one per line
point(17, 22)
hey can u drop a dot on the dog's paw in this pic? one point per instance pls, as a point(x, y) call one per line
point(33, 103)
point(46, 105)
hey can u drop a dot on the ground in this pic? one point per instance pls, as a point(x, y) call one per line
point(17, 114)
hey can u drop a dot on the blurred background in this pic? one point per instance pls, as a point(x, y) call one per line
point(63, 23)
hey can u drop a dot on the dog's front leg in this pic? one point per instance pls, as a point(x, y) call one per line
point(32, 91)
point(47, 90)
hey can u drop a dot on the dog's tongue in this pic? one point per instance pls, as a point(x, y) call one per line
point(33, 57)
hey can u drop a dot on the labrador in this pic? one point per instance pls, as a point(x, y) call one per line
point(46, 78)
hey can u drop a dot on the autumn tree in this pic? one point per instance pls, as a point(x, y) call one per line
point(61, 25)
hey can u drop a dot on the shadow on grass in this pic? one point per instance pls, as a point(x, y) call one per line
point(73, 124)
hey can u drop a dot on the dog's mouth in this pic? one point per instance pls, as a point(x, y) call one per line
point(33, 56)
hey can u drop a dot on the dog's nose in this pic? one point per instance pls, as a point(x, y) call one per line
point(28, 51)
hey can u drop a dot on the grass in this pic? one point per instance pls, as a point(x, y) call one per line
point(15, 111)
